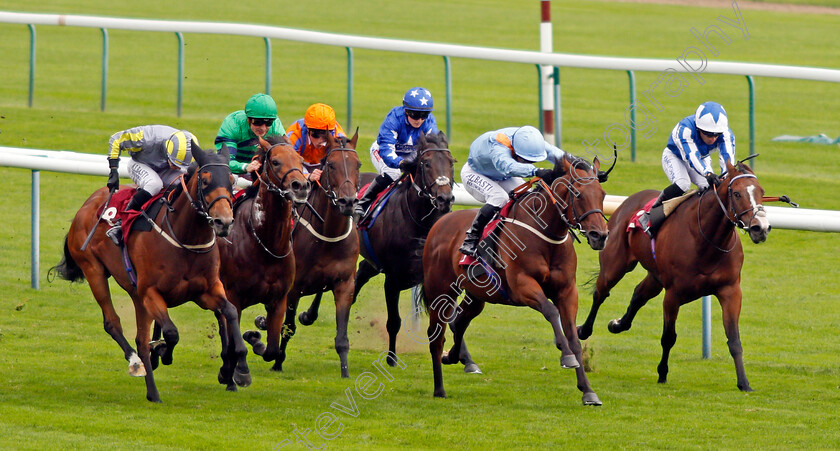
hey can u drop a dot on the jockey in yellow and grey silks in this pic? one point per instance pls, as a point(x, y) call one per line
point(240, 129)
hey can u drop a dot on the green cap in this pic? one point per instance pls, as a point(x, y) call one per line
point(261, 106)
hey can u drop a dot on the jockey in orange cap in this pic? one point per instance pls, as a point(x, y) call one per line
point(309, 136)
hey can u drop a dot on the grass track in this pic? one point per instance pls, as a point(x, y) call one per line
point(64, 381)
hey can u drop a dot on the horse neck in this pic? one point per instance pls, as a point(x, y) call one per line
point(335, 223)
point(185, 219)
point(713, 220)
point(275, 224)
point(419, 211)
point(547, 220)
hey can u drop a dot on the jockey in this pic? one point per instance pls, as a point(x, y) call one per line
point(397, 140)
point(309, 136)
point(497, 162)
point(240, 130)
point(159, 155)
point(686, 158)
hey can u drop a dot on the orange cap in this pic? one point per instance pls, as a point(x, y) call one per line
point(319, 116)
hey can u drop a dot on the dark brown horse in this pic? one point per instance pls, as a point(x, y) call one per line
point(258, 265)
point(177, 263)
point(394, 244)
point(326, 245)
point(535, 261)
point(697, 253)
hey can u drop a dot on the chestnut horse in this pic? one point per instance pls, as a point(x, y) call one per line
point(326, 245)
point(695, 253)
point(258, 265)
point(535, 261)
point(177, 263)
point(393, 245)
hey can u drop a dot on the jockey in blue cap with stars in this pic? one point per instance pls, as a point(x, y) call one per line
point(686, 159)
point(397, 140)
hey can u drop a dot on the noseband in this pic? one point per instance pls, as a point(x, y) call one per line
point(329, 191)
point(573, 194)
point(737, 221)
point(425, 191)
point(271, 186)
point(200, 204)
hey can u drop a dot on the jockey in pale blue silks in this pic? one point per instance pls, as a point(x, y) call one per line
point(686, 159)
point(397, 140)
point(498, 160)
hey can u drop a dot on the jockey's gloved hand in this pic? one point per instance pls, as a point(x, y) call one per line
point(543, 173)
point(114, 176)
point(713, 179)
point(602, 176)
point(404, 165)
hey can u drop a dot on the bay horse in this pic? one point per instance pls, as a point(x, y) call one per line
point(177, 263)
point(535, 263)
point(695, 253)
point(326, 245)
point(258, 265)
point(393, 245)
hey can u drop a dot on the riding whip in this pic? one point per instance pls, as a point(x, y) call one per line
point(90, 235)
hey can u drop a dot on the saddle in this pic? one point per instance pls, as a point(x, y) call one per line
point(668, 207)
point(114, 212)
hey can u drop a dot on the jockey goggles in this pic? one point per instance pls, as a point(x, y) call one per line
point(417, 114)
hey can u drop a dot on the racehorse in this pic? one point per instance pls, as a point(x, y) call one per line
point(535, 261)
point(258, 265)
point(695, 253)
point(326, 247)
point(393, 245)
point(176, 264)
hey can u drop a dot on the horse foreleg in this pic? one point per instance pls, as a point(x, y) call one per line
point(531, 294)
point(144, 322)
point(394, 322)
point(730, 304)
point(613, 269)
point(275, 312)
point(436, 333)
point(670, 310)
point(364, 273)
point(234, 369)
point(308, 317)
point(566, 303)
point(156, 306)
point(111, 321)
point(646, 290)
point(289, 328)
point(343, 293)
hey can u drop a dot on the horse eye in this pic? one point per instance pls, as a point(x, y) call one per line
point(737, 195)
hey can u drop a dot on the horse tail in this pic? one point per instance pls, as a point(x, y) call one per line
point(590, 283)
point(419, 303)
point(67, 268)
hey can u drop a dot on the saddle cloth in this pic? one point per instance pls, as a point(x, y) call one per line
point(667, 207)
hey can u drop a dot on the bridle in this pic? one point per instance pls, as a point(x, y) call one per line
point(329, 190)
point(735, 220)
point(425, 191)
point(200, 205)
point(266, 179)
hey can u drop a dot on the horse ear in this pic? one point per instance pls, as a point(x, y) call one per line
point(423, 142)
point(561, 167)
point(198, 155)
point(354, 139)
point(224, 152)
point(443, 141)
point(597, 164)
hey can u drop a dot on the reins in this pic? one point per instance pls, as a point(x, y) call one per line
point(737, 221)
point(331, 196)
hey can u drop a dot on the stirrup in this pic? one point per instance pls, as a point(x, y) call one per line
point(644, 220)
point(115, 234)
point(469, 248)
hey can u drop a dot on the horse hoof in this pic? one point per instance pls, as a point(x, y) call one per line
point(440, 393)
point(392, 362)
point(583, 333)
point(261, 322)
point(135, 367)
point(259, 348)
point(241, 379)
point(251, 337)
point(305, 319)
point(345, 372)
point(746, 389)
point(472, 368)
point(569, 361)
point(231, 387)
point(591, 399)
point(614, 326)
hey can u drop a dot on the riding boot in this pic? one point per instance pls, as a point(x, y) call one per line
point(140, 198)
point(474, 233)
point(652, 221)
point(376, 186)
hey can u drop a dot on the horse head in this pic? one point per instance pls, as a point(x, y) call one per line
point(210, 184)
point(742, 192)
point(340, 176)
point(433, 171)
point(282, 169)
point(575, 183)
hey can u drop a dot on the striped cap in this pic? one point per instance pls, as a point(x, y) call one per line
point(179, 148)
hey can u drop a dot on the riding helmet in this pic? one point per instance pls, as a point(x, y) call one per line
point(261, 106)
point(319, 116)
point(179, 148)
point(711, 117)
point(418, 99)
point(529, 144)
